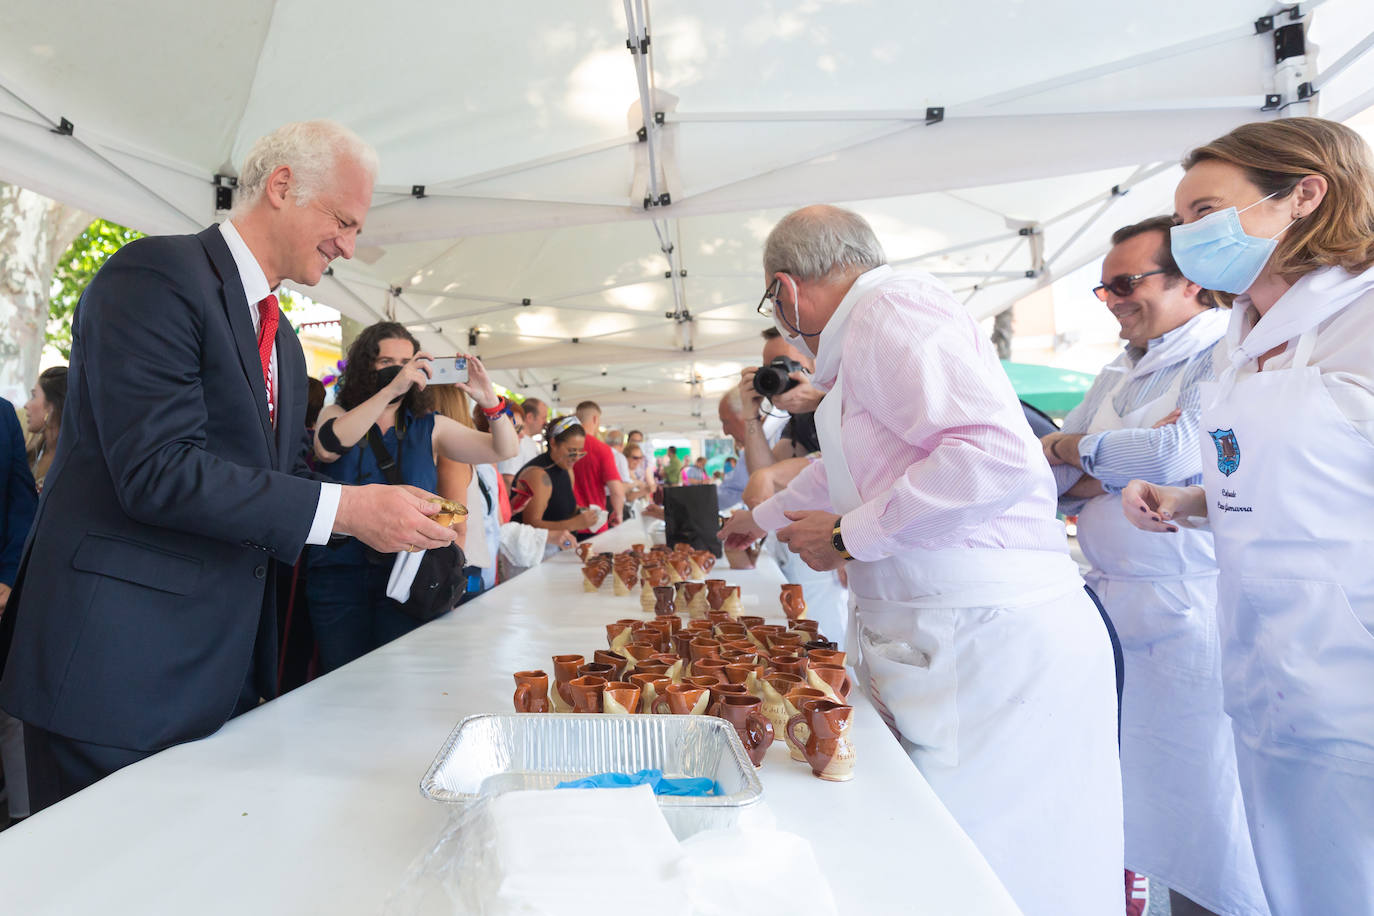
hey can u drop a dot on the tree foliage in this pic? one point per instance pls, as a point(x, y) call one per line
point(80, 263)
point(75, 269)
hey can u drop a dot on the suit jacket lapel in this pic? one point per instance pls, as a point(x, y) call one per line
point(241, 324)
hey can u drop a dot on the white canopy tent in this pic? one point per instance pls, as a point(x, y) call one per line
point(584, 192)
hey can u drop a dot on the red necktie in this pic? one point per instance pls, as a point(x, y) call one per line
point(267, 333)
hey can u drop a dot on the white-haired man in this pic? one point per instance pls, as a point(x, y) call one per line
point(143, 614)
point(977, 640)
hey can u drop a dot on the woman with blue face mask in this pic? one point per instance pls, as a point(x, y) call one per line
point(1281, 214)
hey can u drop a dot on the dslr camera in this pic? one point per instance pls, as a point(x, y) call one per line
point(775, 378)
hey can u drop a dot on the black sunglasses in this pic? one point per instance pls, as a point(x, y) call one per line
point(1122, 284)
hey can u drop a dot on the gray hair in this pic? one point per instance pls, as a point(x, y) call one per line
point(311, 149)
point(614, 437)
point(817, 242)
point(733, 402)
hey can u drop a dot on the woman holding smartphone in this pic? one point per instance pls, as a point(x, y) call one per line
point(384, 409)
point(1281, 213)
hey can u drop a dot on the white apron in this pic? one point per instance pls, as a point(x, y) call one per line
point(996, 672)
point(1185, 821)
point(1290, 496)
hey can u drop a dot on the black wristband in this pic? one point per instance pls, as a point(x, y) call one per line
point(328, 439)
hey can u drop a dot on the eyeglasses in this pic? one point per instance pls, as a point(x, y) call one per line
point(770, 298)
point(1122, 284)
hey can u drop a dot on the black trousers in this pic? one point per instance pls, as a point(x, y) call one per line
point(59, 767)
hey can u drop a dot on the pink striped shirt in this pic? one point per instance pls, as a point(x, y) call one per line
point(933, 434)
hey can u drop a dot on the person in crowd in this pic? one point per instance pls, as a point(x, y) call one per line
point(597, 480)
point(778, 444)
point(640, 479)
point(1281, 215)
point(468, 484)
point(384, 412)
point(1185, 822)
point(544, 495)
point(485, 495)
point(634, 437)
point(672, 468)
point(728, 464)
point(531, 418)
point(732, 421)
point(141, 616)
point(695, 473)
point(976, 637)
point(788, 429)
point(43, 417)
point(18, 502)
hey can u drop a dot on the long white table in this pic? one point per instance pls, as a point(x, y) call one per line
point(310, 803)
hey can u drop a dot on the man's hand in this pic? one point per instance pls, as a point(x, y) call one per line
point(4, 596)
point(1062, 448)
point(1151, 507)
point(391, 519)
point(804, 397)
point(811, 537)
point(739, 531)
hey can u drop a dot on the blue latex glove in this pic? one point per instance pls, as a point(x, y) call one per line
point(662, 785)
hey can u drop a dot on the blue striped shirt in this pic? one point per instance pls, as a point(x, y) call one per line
point(1167, 455)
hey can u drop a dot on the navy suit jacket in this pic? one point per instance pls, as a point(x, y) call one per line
point(18, 497)
point(143, 590)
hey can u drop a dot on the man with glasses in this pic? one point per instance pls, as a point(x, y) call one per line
point(975, 637)
point(1185, 825)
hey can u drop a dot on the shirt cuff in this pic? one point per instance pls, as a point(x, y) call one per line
point(863, 534)
point(770, 514)
point(1087, 452)
point(325, 511)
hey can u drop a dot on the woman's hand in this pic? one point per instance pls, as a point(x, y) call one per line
point(478, 386)
point(563, 540)
point(416, 372)
point(739, 531)
point(583, 520)
point(1154, 508)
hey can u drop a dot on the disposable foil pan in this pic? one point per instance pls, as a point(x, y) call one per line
point(494, 753)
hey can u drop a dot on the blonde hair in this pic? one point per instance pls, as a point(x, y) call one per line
point(452, 402)
point(1276, 155)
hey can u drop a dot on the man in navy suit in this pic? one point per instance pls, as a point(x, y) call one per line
point(141, 616)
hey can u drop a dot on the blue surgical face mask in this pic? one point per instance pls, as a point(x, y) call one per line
point(1216, 253)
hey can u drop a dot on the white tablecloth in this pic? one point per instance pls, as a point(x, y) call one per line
point(309, 804)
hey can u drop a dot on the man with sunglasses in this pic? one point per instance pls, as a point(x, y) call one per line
point(975, 637)
point(1185, 825)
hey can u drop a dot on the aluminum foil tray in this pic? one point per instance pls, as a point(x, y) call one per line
point(494, 753)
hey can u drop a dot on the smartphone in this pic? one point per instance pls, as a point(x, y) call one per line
point(445, 370)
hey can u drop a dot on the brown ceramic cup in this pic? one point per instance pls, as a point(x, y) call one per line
point(825, 657)
point(564, 670)
point(704, 648)
point(793, 601)
point(789, 664)
point(836, 677)
point(715, 593)
point(597, 669)
point(650, 686)
point(827, 748)
point(620, 698)
point(586, 693)
point(665, 600)
point(531, 691)
point(811, 627)
point(750, 621)
point(792, 642)
point(754, 730)
point(710, 667)
point(720, 690)
point(617, 661)
point(682, 700)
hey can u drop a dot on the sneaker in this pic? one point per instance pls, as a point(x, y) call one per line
point(1137, 894)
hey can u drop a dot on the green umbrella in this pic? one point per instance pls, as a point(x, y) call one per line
point(1054, 391)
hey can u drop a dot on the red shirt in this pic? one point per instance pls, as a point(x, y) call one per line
point(590, 474)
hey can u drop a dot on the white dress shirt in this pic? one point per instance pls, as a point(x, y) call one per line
point(527, 451)
point(255, 289)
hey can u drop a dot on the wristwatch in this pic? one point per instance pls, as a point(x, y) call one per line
point(837, 541)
